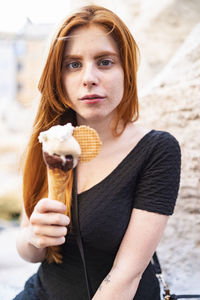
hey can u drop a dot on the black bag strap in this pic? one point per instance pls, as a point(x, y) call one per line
point(75, 214)
point(167, 295)
point(156, 264)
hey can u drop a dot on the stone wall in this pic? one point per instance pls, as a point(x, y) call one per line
point(172, 103)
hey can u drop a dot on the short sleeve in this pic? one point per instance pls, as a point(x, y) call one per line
point(158, 183)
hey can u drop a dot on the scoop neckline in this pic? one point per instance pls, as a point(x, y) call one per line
point(119, 165)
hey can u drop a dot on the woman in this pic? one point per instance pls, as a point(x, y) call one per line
point(125, 194)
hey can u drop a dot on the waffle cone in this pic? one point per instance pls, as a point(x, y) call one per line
point(57, 180)
point(89, 142)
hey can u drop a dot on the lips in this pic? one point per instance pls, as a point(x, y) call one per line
point(92, 97)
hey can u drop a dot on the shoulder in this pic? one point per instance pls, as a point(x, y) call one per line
point(164, 140)
point(152, 142)
point(152, 137)
point(162, 151)
point(158, 146)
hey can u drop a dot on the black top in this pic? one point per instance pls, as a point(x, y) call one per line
point(148, 179)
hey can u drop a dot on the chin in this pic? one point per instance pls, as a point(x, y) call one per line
point(92, 116)
point(95, 116)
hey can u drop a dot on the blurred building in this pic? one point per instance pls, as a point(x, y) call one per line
point(7, 67)
point(21, 58)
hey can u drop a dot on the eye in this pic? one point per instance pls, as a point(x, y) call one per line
point(105, 62)
point(73, 65)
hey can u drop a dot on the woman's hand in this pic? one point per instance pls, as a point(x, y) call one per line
point(47, 226)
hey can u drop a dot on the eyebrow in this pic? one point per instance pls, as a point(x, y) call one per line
point(99, 55)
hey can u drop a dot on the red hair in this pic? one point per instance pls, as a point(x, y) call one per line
point(54, 107)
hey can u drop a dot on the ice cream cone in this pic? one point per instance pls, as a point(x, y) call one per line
point(57, 180)
point(63, 147)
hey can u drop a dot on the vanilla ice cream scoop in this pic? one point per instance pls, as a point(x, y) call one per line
point(59, 146)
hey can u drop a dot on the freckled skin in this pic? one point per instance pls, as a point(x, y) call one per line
point(92, 66)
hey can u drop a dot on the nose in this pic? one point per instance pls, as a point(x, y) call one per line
point(90, 75)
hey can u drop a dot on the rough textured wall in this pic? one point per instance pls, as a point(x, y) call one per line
point(161, 31)
point(172, 103)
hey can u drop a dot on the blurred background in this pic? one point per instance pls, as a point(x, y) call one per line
point(168, 35)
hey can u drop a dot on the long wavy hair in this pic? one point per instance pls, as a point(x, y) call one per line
point(54, 107)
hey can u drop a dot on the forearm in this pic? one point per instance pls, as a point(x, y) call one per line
point(26, 250)
point(117, 286)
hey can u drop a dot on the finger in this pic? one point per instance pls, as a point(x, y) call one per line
point(50, 231)
point(45, 241)
point(49, 219)
point(48, 205)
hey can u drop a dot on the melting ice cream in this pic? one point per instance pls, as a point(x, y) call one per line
point(59, 147)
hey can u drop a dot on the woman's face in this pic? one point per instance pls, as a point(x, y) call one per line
point(92, 74)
